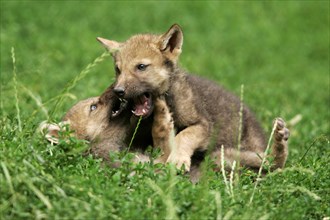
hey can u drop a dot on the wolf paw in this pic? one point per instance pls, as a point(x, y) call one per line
point(180, 161)
point(281, 133)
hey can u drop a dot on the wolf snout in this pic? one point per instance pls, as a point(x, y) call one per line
point(119, 91)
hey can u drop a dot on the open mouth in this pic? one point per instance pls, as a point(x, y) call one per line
point(118, 107)
point(142, 105)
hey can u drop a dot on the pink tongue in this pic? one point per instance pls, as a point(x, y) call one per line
point(141, 106)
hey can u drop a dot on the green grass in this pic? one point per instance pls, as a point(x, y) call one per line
point(278, 50)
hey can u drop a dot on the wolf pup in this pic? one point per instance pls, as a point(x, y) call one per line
point(104, 122)
point(146, 67)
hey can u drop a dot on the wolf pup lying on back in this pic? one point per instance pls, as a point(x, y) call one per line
point(108, 126)
point(146, 67)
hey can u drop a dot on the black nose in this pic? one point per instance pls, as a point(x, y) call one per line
point(119, 91)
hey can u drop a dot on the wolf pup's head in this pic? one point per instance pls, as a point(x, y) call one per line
point(88, 119)
point(144, 64)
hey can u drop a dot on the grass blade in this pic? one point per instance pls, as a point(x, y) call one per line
point(135, 131)
point(39, 194)
point(36, 99)
point(231, 179)
point(169, 203)
point(223, 169)
point(238, 158)
point(263, 162)
point(15, 90)
point(218, 203)
point(74, 82)
point(8, 178)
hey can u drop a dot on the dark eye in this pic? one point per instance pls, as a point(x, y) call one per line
point(93, 107)
point(142, 67)
point(117, 70)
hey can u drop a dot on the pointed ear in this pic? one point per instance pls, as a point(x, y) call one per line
point(172, 40)
point(112, 46)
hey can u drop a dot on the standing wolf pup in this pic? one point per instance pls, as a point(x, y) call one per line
point(146, 67)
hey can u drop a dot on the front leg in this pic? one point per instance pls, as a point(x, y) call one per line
point(187, 142)
point(162, 129)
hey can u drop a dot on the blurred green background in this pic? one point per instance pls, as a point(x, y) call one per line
point(279, 50)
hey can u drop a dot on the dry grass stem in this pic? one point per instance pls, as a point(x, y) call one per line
point(263, 162)
point(18, 114)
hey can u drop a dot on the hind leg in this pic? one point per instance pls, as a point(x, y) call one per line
point(280, 144)
point(249, 159)
point(252, 157)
